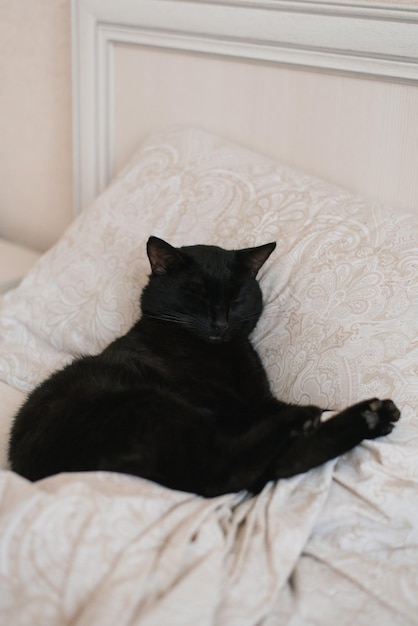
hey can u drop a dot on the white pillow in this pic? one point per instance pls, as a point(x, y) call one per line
point(341, 306)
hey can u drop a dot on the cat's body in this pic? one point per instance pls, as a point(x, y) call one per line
point(182, 398)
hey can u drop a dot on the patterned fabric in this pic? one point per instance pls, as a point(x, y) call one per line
point(340, 325)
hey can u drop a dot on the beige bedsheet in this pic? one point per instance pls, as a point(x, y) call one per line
point(337, 545)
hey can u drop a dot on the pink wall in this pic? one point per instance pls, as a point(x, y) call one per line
point(35, 120)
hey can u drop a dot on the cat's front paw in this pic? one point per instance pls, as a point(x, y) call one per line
point(307, 420)
point(311, 424)
point(379, 417)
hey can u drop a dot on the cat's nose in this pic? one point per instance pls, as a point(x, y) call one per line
point(219, 320)
point(220, 326)
point(219, 330)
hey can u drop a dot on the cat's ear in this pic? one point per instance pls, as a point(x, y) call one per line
point(254, 258)
point(162, 256)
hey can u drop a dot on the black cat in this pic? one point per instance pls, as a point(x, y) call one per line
point(182, 398)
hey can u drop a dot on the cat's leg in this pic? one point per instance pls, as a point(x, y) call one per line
point(246, 461)
point(271, 450)
point(186, 452)
point(366, 420)
point(298, 419)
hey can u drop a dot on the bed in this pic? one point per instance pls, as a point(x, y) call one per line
point(339, 543)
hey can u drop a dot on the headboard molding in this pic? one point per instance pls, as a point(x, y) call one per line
point(364, 39)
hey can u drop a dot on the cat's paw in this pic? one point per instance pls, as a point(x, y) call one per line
point(311, 423)
point(379, 417)
point(307, 420)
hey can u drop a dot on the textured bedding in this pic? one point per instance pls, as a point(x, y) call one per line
point(339, 543)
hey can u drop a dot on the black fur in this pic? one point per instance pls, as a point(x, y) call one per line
point(182, 398)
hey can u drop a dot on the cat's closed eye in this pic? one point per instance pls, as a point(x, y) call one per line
point(237, 298)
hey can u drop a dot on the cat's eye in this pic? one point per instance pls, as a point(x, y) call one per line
point(237, 299)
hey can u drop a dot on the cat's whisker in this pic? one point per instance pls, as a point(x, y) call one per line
point(167, 317)
point(183, 320)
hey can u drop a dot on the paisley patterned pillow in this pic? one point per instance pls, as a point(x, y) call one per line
point(341, 314)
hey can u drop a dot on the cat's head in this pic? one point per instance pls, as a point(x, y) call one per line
point(207, 290)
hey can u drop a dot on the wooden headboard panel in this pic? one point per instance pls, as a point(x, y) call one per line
point(328, 87)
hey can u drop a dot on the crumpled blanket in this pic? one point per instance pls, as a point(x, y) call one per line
point(338, 544)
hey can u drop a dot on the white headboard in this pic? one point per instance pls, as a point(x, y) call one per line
point(329, 87)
